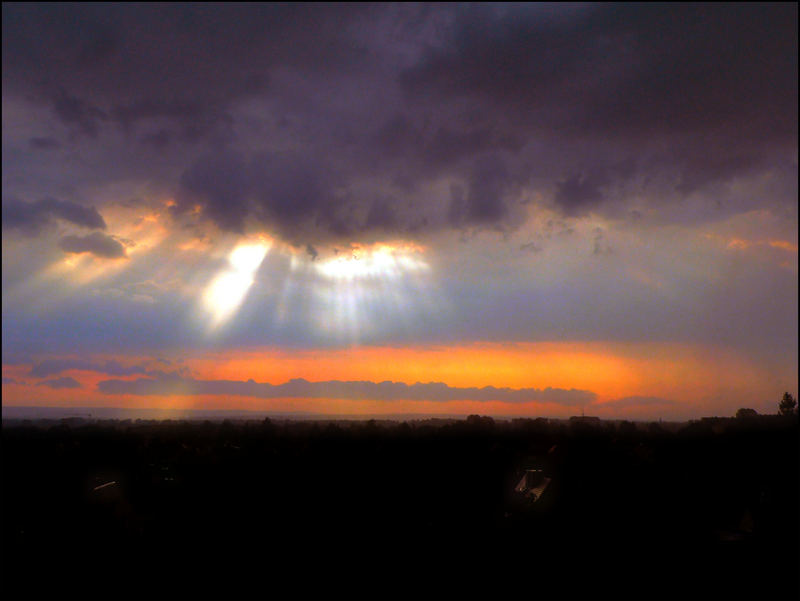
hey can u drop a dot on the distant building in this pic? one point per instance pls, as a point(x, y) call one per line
point(588, 420)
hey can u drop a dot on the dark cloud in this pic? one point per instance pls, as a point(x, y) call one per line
point(95, 243)
point(60, 383)
point(483, 202)
point(690, 71)
point(294, 194)
point(87, 217)
point(44, 143)
point(640, 69)
point(127, 65)
point(51, 367)
point(292, 190)
point(220, 184)
point(23, 215)
point(127, 115)
point(703, 168)
point(355, 390)
point(579, 193)
point(78, 113)
point(326, 122)
point(382, 216)
point(159, 139)
point(430, 149)
point(670, 89)
point(31, 217)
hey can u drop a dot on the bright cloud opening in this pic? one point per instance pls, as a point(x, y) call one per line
point(226, 292)
point(358, 289)
point(380, 261)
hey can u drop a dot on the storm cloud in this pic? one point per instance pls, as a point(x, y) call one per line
point(306, 119)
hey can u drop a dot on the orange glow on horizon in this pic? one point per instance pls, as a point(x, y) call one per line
point(701, 379)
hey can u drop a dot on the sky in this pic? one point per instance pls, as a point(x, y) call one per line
point(505, 209)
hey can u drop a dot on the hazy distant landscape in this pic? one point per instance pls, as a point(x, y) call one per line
point(427, 508)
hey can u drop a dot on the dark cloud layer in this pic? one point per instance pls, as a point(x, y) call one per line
point(330, 122)
point(60, 383)
point(95, 243)
point(353, 390)
point(31, 217)
point(184, 61)
point(672, 68)
point(288, 191)
point(52, 367)
point(44, 143)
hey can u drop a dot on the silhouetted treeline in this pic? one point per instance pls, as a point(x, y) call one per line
point(270, 509)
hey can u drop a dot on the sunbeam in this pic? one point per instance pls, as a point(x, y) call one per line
point(226, 292)
point(358, 292)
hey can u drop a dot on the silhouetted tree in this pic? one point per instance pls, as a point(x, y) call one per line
point(480, 422)
point(746, 413)
point(787, 405)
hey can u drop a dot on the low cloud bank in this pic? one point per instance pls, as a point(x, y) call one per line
point(51, 367)
point(337, 389)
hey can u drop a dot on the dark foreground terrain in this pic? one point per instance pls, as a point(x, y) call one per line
point(379, 510)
